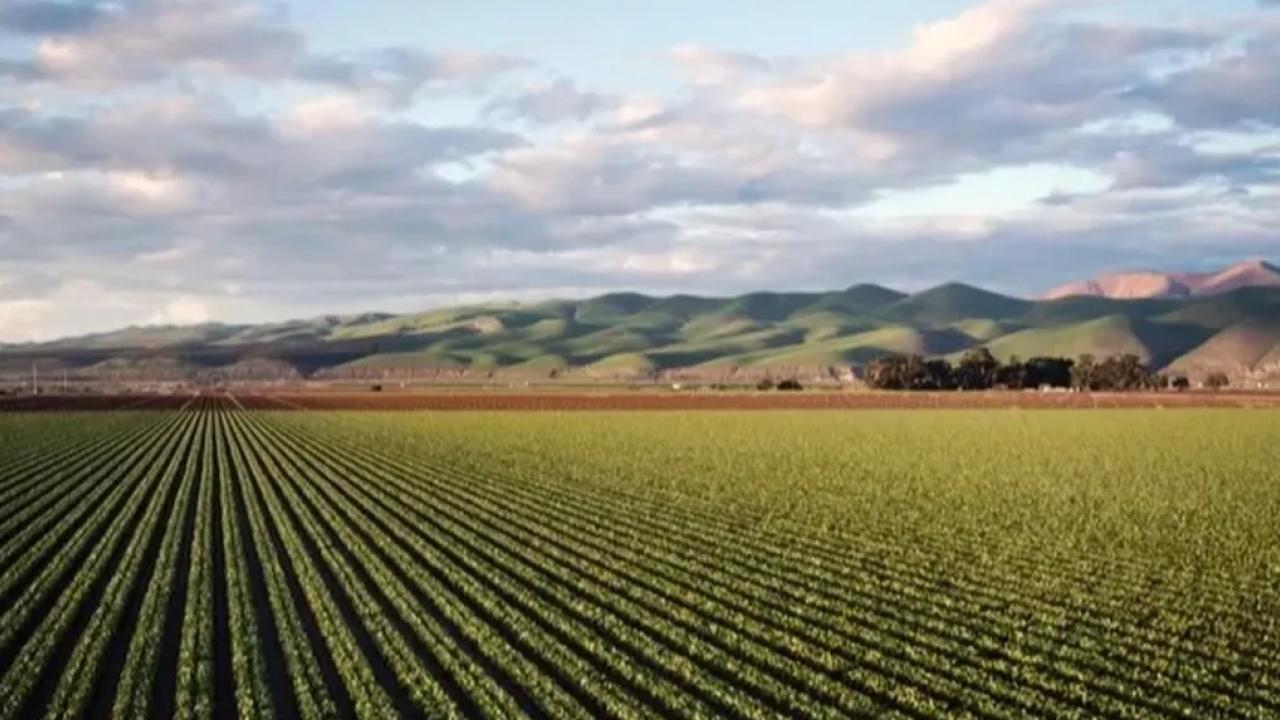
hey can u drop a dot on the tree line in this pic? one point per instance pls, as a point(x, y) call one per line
point(978, 369)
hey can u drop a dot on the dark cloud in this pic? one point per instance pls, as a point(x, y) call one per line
point(399, 74)
point(41, 17)
point(188, 137)
point(19, 70)
point(147, 41)
point(1176, 166)
point(1229, 90)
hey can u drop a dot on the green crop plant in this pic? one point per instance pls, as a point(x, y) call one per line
point(216, 562)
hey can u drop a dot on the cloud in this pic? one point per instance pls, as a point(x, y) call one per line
point(1177, 166)
point(1232, 89)
point(148, 41)
point(319, 141)
point(1003, 84)
point(254, 176)
point(181, 311)
point(551, 102)
point(41, 17)
point(999, 74)
point(398, 75)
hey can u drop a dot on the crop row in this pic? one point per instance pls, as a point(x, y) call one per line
point(216, 562)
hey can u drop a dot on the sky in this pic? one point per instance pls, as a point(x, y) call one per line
point(181, 161)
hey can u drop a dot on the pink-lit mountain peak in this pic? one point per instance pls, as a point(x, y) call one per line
point(1152, 284)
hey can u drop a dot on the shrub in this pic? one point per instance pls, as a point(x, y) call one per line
point(1217, 381)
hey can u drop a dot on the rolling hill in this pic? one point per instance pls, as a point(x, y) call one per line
point(622, 336)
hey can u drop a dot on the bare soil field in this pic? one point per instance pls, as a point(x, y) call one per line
point(639, 400)
point(78, 403)
point(499, 400)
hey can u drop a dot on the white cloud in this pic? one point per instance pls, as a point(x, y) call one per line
point(150, 191)
point(326, 113)
point(181, 311)
point(941, 48)
point(678, 262)
point(175, 253)
point(26, 319)
point(150, 38)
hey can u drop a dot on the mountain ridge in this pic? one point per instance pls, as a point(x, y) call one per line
point(1147, 284)
point(631, 335)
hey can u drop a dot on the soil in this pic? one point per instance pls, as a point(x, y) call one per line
point(641, 400)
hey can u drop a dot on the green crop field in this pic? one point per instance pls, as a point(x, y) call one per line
point(217, 563)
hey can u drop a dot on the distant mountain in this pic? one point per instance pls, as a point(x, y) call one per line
point(1150, 284)
point(630, 335)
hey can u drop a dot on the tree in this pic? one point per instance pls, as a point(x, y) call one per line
point(977, 370)
point(1084, 373)
point(909, 373)
point(1012, 375)
point(1180, 383)
point(790, 384)
point(1050, 371)
point(1124, 372)
point(915, 375)
point(765, 384)
point(938, 375)
point(1217, 381)
point(887, 373)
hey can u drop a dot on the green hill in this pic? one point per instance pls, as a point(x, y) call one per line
point(1238, 349)
point(954, 302)
point(1157, 344)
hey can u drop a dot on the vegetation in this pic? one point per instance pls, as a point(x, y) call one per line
point(222, 563)
point(978, 369)
point(628, 335)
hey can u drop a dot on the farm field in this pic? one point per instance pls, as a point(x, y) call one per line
point(646, 398)
point(739, 400)
point(216, 562)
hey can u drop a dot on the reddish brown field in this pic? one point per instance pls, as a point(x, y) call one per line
point(636, 400)
point(78, 403)
point(639, 400)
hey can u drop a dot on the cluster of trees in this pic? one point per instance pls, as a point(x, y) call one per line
point(784, 384)
point(1118, 372)
point(978, 369)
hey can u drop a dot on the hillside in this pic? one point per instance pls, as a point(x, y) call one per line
point(626, 336)
point(1240, 349)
